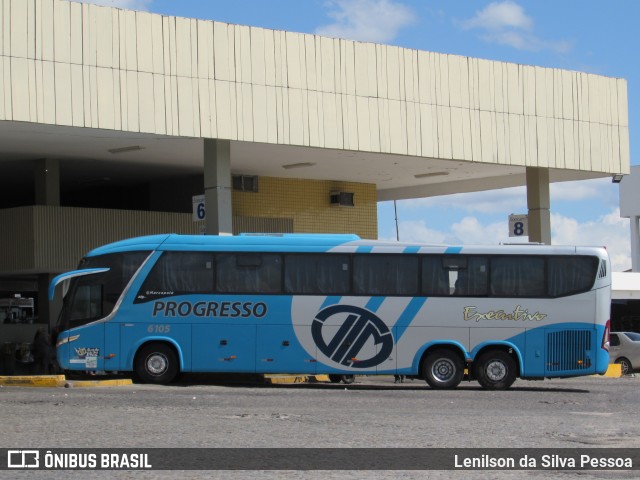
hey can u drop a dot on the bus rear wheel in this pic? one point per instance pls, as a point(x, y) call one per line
point(348, 379)
point(156, 363)
point(495, 370)
point(443, 369)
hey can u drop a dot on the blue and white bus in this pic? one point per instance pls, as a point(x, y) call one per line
point(335, 304)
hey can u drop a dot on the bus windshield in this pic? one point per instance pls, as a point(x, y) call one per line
point(93, 297)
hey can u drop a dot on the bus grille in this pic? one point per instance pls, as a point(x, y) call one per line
point(568, 350)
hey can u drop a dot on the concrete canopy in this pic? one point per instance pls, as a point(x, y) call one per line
point(86, 160)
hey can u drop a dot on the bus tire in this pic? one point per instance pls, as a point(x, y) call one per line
point(335, 378)
point(625, 366)
point(348, 379)
point(443, 369)
point(495, 370)
point(156, 363)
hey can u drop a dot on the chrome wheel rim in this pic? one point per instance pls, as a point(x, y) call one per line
point(157, 364)
point(443, 370)
point(496, 370)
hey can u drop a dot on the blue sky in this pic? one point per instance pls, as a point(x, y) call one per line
point(585, 35)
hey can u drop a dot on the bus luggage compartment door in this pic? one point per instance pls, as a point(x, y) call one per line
point(224, 348)
point(278, 351)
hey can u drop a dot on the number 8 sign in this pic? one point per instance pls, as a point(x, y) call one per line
point(518, 225)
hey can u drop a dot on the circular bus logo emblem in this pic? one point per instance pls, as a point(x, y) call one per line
point(359, 326)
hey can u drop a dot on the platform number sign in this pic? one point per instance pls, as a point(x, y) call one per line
point(518, 225)
point(198, 208)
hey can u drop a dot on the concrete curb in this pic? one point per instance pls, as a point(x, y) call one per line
point(99, 383)
point(33, 381)
point(51, 381)
point(614, 371)
point(291, 379)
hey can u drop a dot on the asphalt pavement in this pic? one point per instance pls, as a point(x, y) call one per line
point(373, 412)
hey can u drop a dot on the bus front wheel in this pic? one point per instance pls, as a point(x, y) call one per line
point(443, 369)
point(495, 370)
point(156, 363)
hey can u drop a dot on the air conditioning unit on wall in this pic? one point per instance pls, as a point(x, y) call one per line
point(341, 199)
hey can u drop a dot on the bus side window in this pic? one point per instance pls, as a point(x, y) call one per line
point(435, 278)
point(249, 273)
point(570, 275)
point(461, 281)
point(517, 276)
point(316, 274)
point(468, 274)
point(178, 273)
point(381, 274)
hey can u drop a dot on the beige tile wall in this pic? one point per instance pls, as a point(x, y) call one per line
point(307, 203)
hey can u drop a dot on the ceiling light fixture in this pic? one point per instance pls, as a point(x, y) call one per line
point(298, 165)
point(133, 148)
point(433, 174)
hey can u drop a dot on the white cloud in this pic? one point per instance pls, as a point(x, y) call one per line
point(417, 231)
point(468, 230)
point(514, 200)
point(506, 23)
point(511, 200)
point(128, 4)
point(609, 231)
point(366, 20)
point(526, 41)
point(498, 15)
point(600, 189)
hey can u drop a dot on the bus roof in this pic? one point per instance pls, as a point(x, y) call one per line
point(293, 242)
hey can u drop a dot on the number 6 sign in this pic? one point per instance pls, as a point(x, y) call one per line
point(198, 208)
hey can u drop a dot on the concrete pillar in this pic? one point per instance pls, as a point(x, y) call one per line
point(47, 182)
point(47, 192)
point(538, 202)
point(48, 311)
point(634, 223)
point(217, 186)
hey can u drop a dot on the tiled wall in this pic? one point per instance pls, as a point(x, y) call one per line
point(307, 203)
